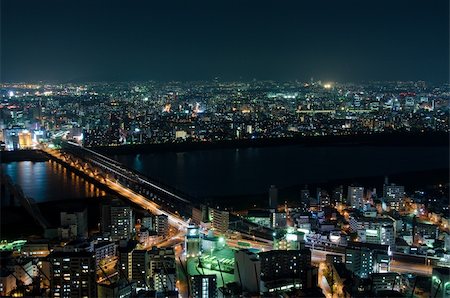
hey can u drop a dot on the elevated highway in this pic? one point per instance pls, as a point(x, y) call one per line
point(148, 194)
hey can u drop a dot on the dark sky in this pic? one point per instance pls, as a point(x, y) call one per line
point(192, 40)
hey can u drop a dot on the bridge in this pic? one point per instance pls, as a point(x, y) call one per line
point(150, 195)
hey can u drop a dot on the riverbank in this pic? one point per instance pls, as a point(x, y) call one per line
point(414, 180)
point(381, 139)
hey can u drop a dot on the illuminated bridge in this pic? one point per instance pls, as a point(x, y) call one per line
point(149, 194)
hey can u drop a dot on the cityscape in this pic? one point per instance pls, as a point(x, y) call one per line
point(185, 174)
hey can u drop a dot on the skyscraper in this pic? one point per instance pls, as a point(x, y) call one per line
point(220, 220)
point(285, 269)
point(121, 221)
point(161, 225)
point(393, 194)
point(247, 270)
point(355, 196)
point(72, 274)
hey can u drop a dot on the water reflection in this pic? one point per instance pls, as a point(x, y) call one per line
point(49, 181)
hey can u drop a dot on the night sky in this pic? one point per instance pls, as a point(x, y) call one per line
point(195, 40)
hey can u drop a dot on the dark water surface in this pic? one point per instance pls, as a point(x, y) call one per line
point(49, 181)
point(230, 172)
point(235, 172)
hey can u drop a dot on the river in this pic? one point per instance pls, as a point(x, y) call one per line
point(236, 172)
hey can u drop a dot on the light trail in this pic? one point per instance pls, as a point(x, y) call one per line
point(136, 198)
point(111, 164)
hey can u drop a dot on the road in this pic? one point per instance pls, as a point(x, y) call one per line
point(136, 198)
point(318, 256)
point(418, 269)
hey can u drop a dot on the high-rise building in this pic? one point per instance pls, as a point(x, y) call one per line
point(148, 222)
point(204, 286)
point(192, 242)
point(286, 269)
point(338, 194)
point(72, 274)
point(355, 196)
point(161, 259)
point(164, 280)
point(134, 264)
point(121, 221)
point(377, 230)
point(278, 220)
point(140, 268)
point(364, 259)
point(25, 141)
point(104, 251)
point(125, 261)
point(393, 195)
point(200, 214)
point(220, 220)
point(247, 271)
point(273, 197)
point(162, 225)
point(76, 221)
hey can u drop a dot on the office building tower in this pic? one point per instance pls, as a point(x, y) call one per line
point(338, 195)
point(287, 269)
point(204, 286)
point(393, 195)
point(161, 259)
point(164, 280)
point(364, 259)
point(140, 268)
point(25, 140)
point(122, 221)
point(355, 196)
point(197, 216)
point(220, 220)
point(72, 274)
point(200, 214)
point(162, 225)
point(273, 197)
point(125, 260)
point(134, 264)
point(387, 235)
point(247, 271)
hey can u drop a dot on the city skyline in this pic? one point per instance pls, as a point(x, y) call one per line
point(212, 149)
